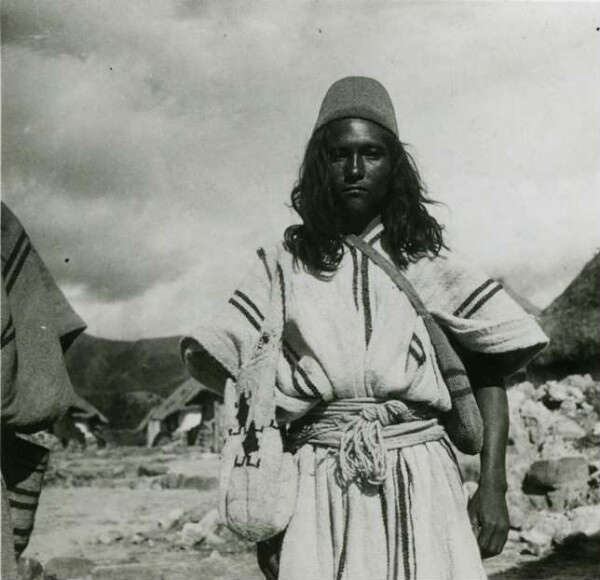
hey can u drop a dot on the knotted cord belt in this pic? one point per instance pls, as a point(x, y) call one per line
point(363, 430)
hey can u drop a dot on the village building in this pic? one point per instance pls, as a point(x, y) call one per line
point(191, 412)
point(82, 425)
point(572, 322)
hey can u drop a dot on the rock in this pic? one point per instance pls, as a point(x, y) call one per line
point(520, 510)
point(569, 408)
point(536, 542)
point(172, 519)
point(213, 540)
point(67, 568)
point(137, 538)
point(556, 394)
point(215, 557)
point(549, 523)
point(536, 419)
point(152, 469)
point(128, 572)
point(30, 569)
point(575, 394)
point(567, 497)
point(195, 533)
point(581, 382)
point(540, 393)
point(173, 480)
point(118, 471)
point(109, 537)
point(566, 428)
point(548, 474)
point(191, 534)
point(585, 520)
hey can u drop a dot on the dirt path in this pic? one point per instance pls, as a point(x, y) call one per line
point(71, 520)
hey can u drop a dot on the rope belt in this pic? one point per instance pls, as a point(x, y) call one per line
point(364, 430)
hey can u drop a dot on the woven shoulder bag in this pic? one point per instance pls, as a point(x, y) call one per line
point(259, 478)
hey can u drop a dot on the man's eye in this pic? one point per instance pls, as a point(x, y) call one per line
point(373, 153)
point(336, 155)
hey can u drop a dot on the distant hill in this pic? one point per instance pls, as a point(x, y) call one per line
point(572, 322)
point(124, 379)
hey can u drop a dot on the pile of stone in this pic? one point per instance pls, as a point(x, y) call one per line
point(553, 464)
point(182, 529)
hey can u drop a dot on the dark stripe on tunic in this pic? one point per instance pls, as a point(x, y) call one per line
point(14, 275)
point(251, 304)
point(342, 563)
point(464, 392)
point(472, 297)
point(354, 275)
point(419, 357)
point(449, 373)
point(23, 506)
point(482, 301)
point(397, 518)
point(22, 531)
point(383, 500)
point(294, 360)
point(366, 301)
point(409, 489)
point(403, 522)
point(8, 338)
point(245, 312)
point(263, 256)
point(26, 492)
point(293, 368)
point(14, 254)
point(282, 288)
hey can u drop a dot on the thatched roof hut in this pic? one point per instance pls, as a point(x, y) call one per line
point(572, 322)
point(187, 409)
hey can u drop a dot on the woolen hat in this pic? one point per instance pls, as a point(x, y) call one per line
point(359, 97)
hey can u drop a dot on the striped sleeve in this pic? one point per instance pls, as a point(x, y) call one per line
point(479, 315)
point(214, 351)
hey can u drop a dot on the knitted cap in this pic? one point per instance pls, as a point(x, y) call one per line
point(359, 97)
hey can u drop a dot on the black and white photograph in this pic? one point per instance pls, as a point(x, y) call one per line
point(300, 290)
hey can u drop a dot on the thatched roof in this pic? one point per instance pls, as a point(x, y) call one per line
point(572, 321)
point(177, 400)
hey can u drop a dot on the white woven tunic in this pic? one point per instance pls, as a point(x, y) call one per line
point(353, 334)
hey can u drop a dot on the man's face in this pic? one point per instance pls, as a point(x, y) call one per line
point(361, 168)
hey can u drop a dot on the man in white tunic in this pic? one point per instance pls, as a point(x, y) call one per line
point(353, 343)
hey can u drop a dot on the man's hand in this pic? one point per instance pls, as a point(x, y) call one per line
point(488, 513)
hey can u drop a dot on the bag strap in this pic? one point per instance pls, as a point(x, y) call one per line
point(450, 364)
point(390, 269)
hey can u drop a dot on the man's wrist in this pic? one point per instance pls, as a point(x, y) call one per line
point(493, 483)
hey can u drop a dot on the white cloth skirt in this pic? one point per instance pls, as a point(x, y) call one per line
point(414, 526)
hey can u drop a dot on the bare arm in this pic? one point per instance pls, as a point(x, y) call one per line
point(487, 509)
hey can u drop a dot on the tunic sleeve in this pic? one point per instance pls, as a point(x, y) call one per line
point(215, 350)
point(494, 336)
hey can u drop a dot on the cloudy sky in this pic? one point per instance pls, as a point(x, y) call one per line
point(149, 146)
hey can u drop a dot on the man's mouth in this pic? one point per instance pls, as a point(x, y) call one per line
point(354, 190)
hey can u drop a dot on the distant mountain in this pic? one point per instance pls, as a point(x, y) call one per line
point(124, 379)
point(572, 322)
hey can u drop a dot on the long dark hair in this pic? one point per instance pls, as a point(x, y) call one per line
point(409, 231)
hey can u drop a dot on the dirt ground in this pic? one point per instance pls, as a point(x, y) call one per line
point(93, 495)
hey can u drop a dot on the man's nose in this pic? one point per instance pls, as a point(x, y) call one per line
point(355, 167)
